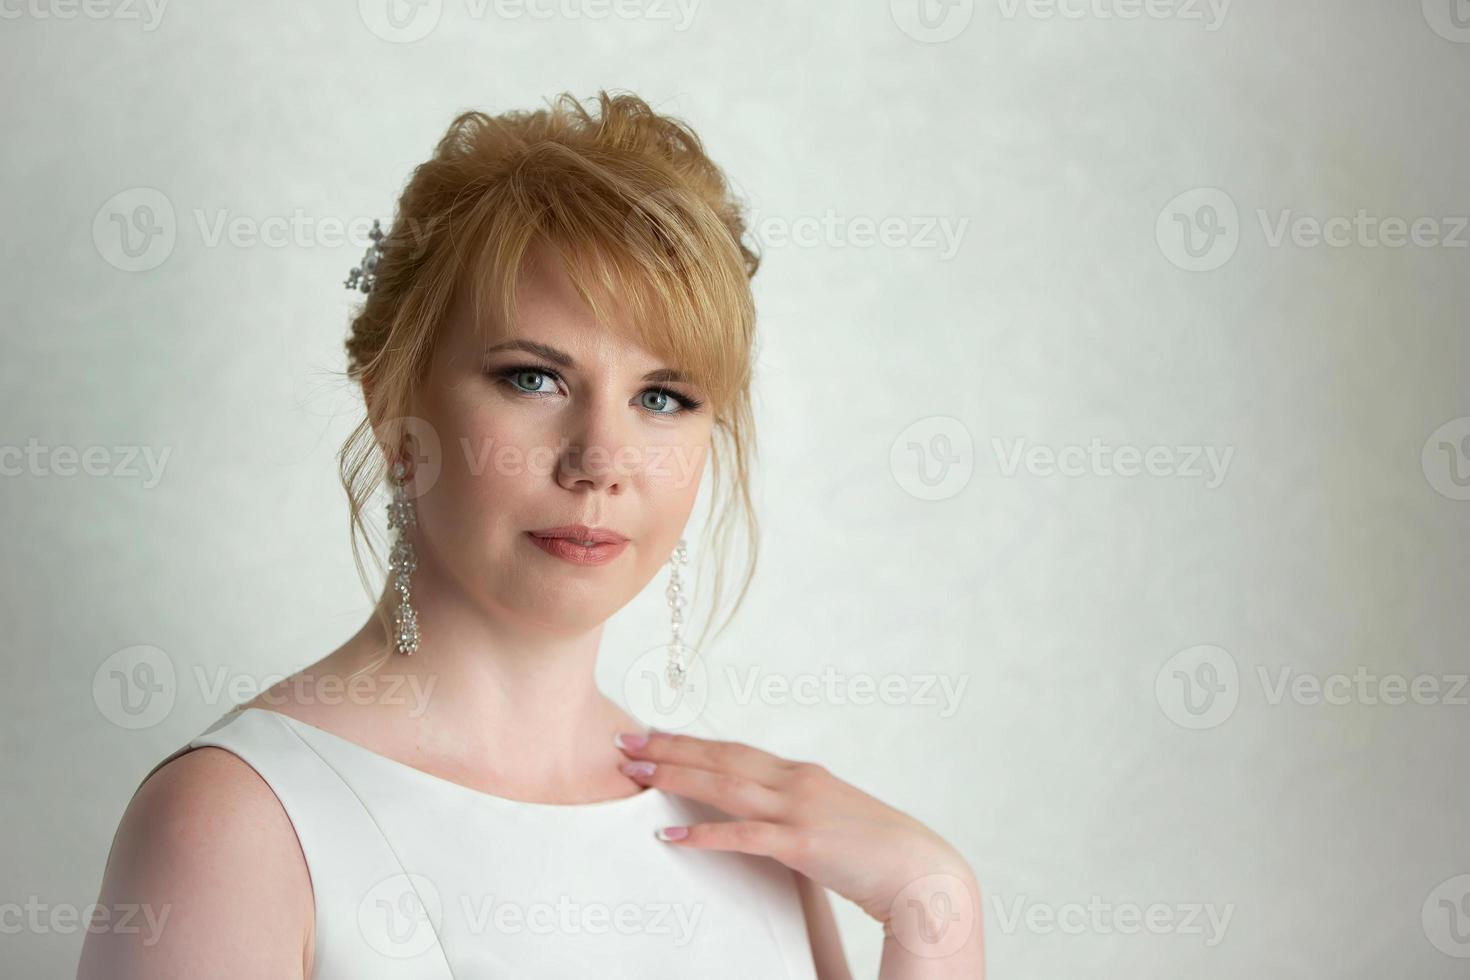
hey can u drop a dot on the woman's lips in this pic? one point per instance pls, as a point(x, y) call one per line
point(568, 549)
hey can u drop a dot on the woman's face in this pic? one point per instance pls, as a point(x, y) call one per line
point(562, 423)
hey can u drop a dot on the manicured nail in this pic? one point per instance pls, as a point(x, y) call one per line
point(673, 833)
point(637, 768)
point(630, 740)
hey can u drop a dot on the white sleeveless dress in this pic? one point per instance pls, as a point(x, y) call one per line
point(416, 876)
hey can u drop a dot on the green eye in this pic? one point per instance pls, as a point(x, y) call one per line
point(658, 400)
point(525, 379)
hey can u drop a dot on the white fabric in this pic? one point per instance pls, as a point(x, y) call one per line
point(512, 889)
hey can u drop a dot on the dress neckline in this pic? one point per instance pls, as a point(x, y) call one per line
point(617, 804)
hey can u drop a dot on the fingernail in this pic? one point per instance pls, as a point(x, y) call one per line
point(637, 768)
point(630, 740)
point(672, 833)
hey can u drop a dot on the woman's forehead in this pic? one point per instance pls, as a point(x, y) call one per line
point(555, 319)
point(568, 337)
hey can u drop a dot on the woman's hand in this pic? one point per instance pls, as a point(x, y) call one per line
point(899, 871)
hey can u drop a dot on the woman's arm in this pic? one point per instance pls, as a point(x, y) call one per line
point(205, 879)
point(821, 930)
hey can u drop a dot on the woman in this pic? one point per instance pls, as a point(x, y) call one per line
point(557, 336)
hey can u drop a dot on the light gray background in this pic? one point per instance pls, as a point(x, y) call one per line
point(1068, 772)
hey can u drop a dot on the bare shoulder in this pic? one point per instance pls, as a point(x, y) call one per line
point(206, 868)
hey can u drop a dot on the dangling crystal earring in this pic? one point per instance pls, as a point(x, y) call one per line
point(401, 561)
point(677, 669)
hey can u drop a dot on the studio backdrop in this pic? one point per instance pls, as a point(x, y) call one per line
point(1111, 397)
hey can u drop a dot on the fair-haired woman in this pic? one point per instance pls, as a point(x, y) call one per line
point(557, 338)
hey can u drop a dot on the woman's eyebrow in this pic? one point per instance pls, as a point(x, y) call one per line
point(531, 346)
point(565, 360)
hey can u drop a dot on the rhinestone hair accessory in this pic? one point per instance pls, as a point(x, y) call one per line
point(402, 562)
point(364, 277)
point(677, 668)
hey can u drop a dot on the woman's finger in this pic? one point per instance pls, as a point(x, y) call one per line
point(703, 753)
point(761, 837)
point(728, 791)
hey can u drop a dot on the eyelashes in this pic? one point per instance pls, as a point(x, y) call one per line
point(508, 374)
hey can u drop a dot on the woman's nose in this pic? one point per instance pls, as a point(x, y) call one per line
point(597, 453)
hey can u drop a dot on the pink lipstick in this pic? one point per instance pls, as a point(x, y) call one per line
point(580, 544)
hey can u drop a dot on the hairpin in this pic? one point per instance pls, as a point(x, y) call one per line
point(365, 276)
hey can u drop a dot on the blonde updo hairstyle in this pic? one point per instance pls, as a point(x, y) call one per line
point(643, 221)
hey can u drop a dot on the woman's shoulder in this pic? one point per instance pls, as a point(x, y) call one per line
point(209, 853)
point(210, 784)
point(211, 809)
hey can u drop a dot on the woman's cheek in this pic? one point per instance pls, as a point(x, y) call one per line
point(676, 468)
point(498, 453)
